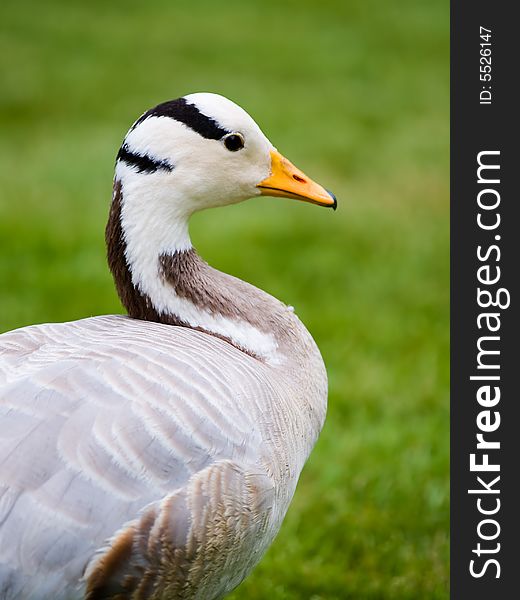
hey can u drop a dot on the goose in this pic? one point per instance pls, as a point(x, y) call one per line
point(154, 455)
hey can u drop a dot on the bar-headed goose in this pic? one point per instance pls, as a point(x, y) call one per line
point(155, 455)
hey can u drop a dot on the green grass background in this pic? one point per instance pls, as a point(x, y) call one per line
point(356, 94)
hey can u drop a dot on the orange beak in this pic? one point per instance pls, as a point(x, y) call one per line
point(287, 181)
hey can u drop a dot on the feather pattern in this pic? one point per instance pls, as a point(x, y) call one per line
point(104, 434)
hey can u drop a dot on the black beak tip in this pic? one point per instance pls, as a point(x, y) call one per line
point(335, 205)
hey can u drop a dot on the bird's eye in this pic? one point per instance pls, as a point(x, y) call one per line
point(234, 141)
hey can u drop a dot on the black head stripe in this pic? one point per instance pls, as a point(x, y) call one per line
point(142, 163)
point(186, 113)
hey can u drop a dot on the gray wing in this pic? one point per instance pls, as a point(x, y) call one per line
point(199, 542)
point(101, 418)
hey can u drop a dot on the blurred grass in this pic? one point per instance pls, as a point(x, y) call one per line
point(356, 94)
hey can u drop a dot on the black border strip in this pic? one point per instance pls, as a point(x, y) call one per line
point(477, 128)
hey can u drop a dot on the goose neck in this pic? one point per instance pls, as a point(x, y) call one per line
point(160, 277)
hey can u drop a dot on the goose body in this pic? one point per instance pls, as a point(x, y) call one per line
point(154, 456)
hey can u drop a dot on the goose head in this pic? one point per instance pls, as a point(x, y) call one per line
point(185, 155)
point(203, 151)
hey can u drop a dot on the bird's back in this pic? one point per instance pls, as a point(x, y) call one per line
point(107, 424)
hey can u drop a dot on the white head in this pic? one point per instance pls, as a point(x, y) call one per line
point(187, 139)
point(196, 152)
point(202, 151)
